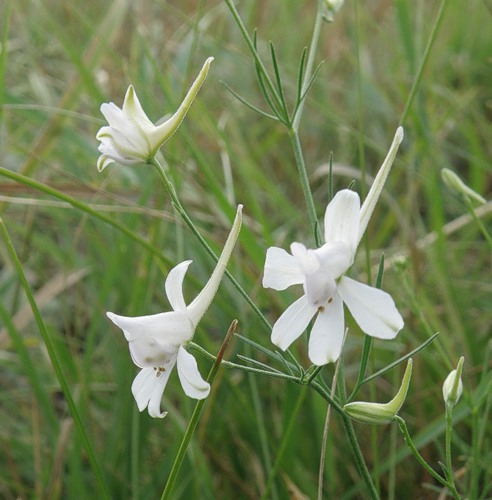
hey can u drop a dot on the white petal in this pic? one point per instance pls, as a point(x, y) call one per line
point(281, 270)
point(326, 340)
point(306, 258)
point(292, 323)
point(153, 339)
point(192, 382)
point(134, 111)
point(319, 287)
point(378, 184)
point(373, 310)
point(173, 327)
point(334, 258)
point(148, 352)
point(342, 219)
point(148, 387)
point(202, 301)
point(174, 286)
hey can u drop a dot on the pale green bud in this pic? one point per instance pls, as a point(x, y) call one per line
point(379, 413)
point(453, 386)
point(453, 182)
point(333, 6)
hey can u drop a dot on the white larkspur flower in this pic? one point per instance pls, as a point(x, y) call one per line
point(130, 137)
point(157, 342)
point(322, 274)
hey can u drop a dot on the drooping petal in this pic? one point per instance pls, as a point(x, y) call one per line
point(202, 301)
point(281, 270)
point(163, 132)
point(148, 387)
point(326, 340)
point(377, 186)
point(292, 323)
point(373, 310)
point(192, 382)
point(342, 219)
point(174, 286)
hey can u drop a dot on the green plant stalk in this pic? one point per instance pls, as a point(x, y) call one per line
point(359, 458)
point(195, 417)
point(477, 221)
point(360, 134)
point(301, 380)
point(303, 177)
point(310, 62)
point(254, 52)
point(449, 431)
point(352, 438)
point(186, 218)
point(408, 440)
point(285, 441)
point(30, 368)
point(22, 179)
point(425, 58)
point(100, 481)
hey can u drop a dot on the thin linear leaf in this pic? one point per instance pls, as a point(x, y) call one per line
point(248, 104)
point(400, 360)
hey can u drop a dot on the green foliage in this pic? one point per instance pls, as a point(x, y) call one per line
point(112, 248)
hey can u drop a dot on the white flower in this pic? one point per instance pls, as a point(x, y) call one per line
point(322, 274)
point(131, 138)
point(157, 342)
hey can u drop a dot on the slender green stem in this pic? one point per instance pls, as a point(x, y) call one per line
point(254, 52)
point(310, 62)
point(352, 437)
point(324, 440)
point(408, 440)
point(195, 417)
point(359, 458)
point(449, 431)
point(186, 218)
point(81, 428)
point(308, 195)
point(285, 441)
point(27, 181)
point(477, 221)
point(301, 380)
point(425, 58)
point(35, 377)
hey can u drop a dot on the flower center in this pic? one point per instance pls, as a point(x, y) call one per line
point(159, 370)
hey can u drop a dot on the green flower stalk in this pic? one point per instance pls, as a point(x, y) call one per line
point(378, 413)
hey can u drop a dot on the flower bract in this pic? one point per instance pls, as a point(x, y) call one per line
point(130, 136)
point(157, 342)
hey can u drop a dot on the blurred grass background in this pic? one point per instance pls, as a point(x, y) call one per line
point(60, 61)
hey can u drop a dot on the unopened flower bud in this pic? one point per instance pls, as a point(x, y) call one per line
point(378, 413)
point(333, 6)
point(453, 386)
point(453, 182)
